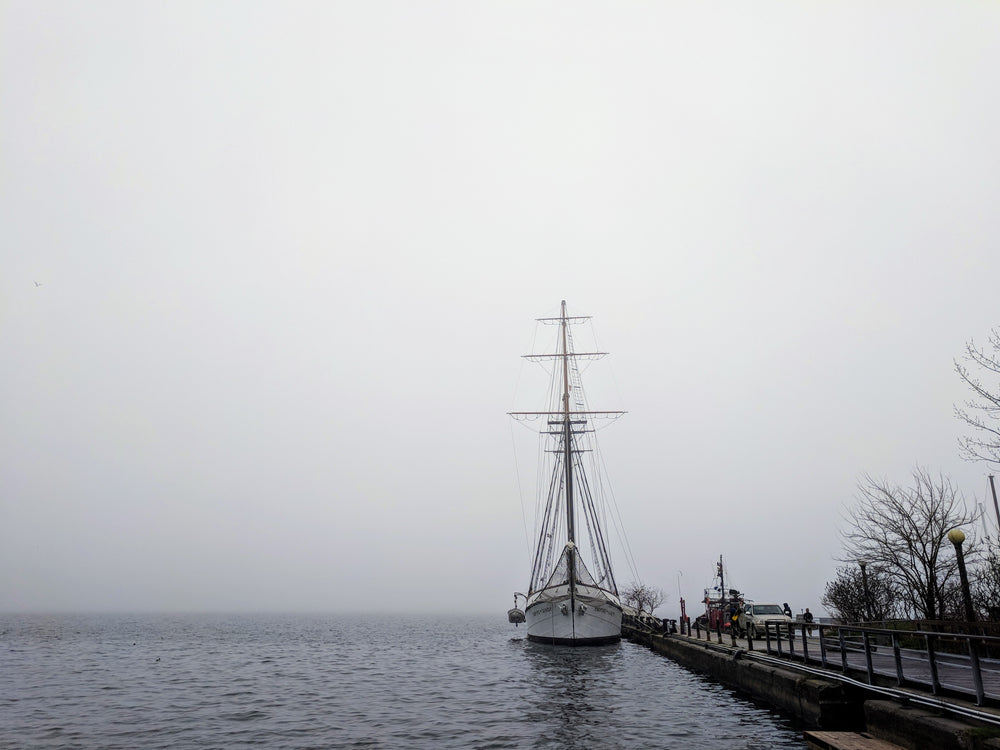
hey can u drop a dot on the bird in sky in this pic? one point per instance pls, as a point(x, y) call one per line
point(38, 283)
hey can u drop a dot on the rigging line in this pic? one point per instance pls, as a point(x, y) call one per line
point(554, 390)
point(520, 492)
point(593, 506)
point(541, 509)
point(551, 372)
point(611, 369)
point(598, 546)
point(517, 384)
point(599, 508)
point(524, 519)
point(586, 503)
point(546, 535)
point(520, 370)
point(620, 524)
point(582, 401)
point(591, 514)
point(548, 518)
point(555, 535)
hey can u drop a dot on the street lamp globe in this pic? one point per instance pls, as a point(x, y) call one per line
point(956, 536)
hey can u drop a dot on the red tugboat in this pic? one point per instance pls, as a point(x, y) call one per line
point(720, 605)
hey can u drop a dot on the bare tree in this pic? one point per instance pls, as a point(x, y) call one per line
point(986, 584)
point(982, 411)
point(902, 532)
point(644, 598)
point(848, 599)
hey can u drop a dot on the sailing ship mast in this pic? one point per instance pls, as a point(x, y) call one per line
point(567, 464)
point(566, 418)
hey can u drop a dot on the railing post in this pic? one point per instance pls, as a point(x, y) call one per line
point(843, 650)
point(822, 648)
point(868, 655)
point(805, 644)
point(718, 631)
point(977, 674)
point(898, 658)
point(777, 633)
point(932, 661)
point(791, 640)
point(767, 637)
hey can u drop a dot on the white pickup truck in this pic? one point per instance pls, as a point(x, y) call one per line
point(754, 615)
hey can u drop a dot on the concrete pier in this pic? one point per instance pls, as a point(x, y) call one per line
point(821, 702)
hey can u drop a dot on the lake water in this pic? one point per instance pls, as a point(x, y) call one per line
point(334, 681)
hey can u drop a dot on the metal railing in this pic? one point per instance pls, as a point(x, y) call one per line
point(945, 662)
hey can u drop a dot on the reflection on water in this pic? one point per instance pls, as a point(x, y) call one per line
point(625, 696)
point(571, 688)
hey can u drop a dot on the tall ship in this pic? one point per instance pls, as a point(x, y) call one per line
point(572, 596)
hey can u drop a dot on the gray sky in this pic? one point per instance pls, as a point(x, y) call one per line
point(291, 253)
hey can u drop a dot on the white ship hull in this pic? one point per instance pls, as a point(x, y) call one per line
point(586, 624)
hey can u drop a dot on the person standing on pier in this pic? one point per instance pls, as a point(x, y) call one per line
point(807, 618)
point(787, 610)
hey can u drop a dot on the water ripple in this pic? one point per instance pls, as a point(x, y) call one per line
point(352, 682)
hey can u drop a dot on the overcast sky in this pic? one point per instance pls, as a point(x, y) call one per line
point(290, 255)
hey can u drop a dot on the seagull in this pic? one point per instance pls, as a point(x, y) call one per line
point(38, 283)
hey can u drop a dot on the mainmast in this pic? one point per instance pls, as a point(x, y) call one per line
point(568, 466)
point(567, 429)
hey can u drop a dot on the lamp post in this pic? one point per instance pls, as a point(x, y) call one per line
point(863, 564)
point(996, 506)
point(956, 537)
point(680, 598)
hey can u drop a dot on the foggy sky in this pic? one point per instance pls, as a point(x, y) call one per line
point(290, 255)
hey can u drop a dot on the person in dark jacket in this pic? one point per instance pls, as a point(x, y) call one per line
point(807, 618)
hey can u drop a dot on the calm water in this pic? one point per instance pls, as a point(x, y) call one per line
point(337, 682)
